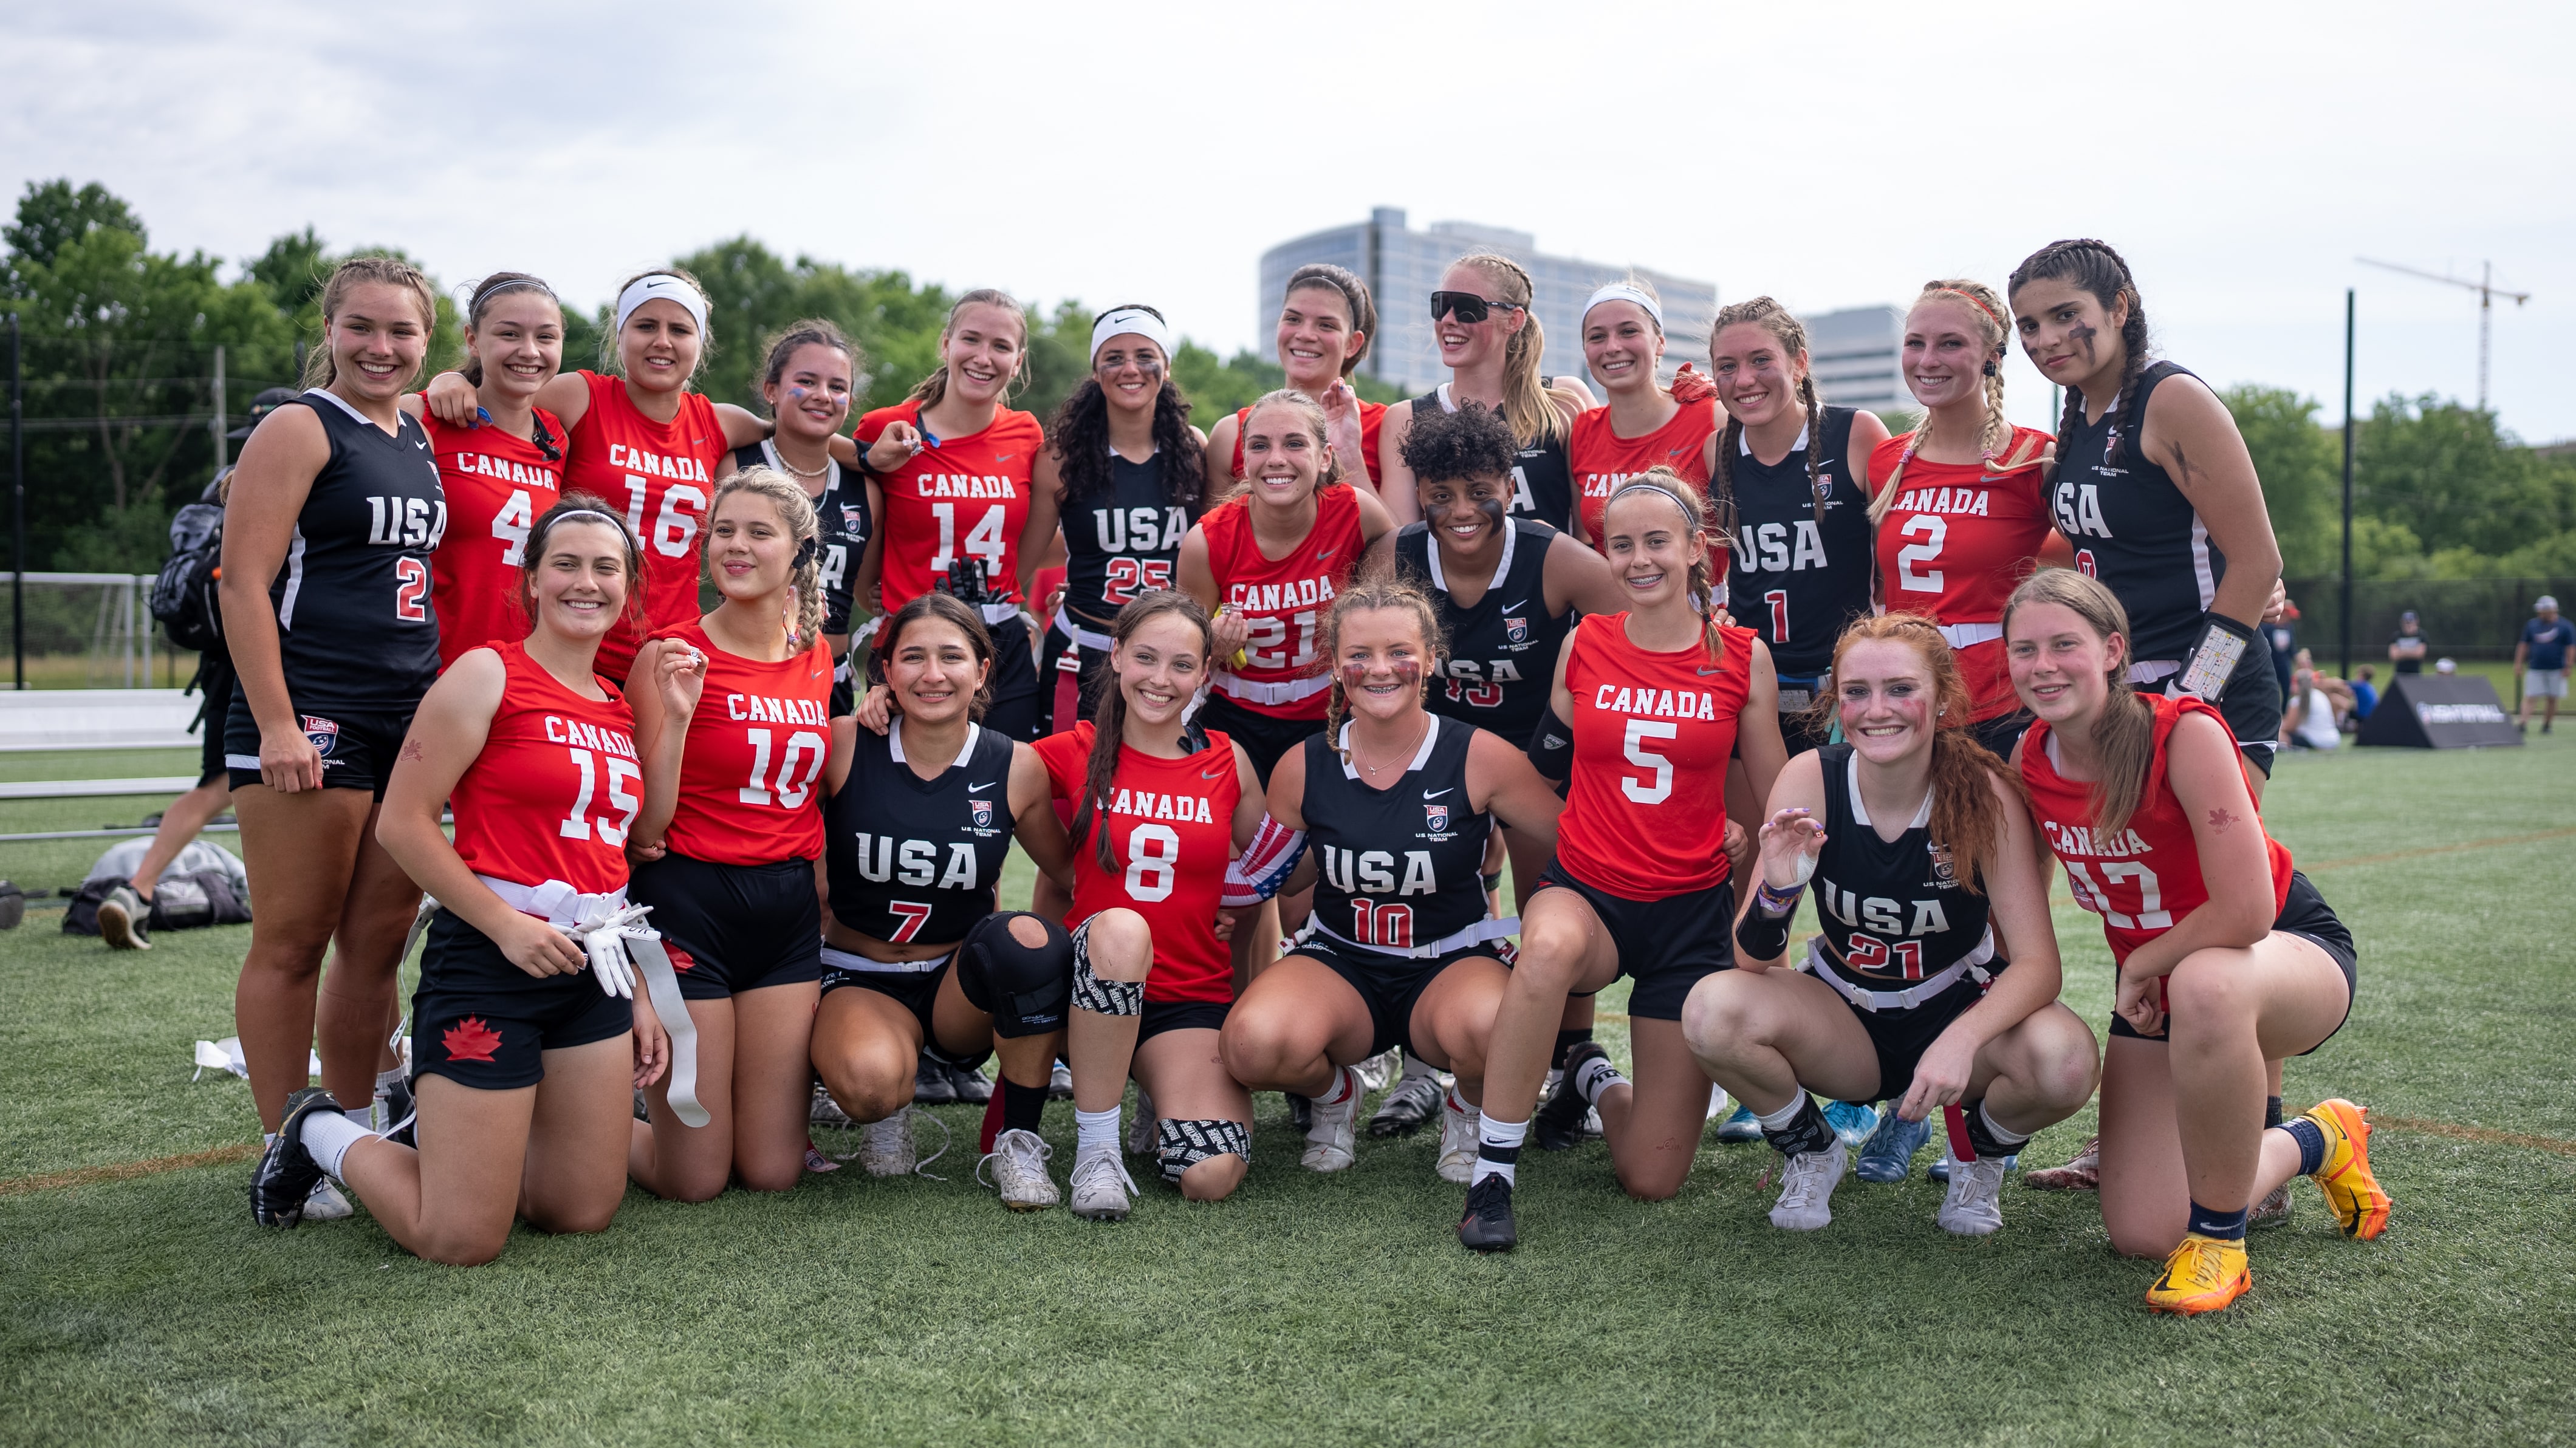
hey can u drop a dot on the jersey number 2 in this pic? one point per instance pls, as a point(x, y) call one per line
point(411, 583)
point(1936, 530)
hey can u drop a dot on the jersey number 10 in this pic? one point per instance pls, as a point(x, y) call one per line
point(790, 790)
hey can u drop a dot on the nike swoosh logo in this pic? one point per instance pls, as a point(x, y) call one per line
point(1217, 773)
point(1436, 793)
point(987, 784)
point(1509, 607)
point(1720, 669)
point(1323, 553)
point(1004, 457)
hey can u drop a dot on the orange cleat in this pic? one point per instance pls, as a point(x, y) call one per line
point(2360, 1205)
point(2203, 1274)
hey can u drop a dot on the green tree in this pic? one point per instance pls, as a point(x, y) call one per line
point(2300, 466)
point(52, 215)
point(2451, 475)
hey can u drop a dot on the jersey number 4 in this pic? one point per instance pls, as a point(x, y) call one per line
point(577, 824)
point(984, 540)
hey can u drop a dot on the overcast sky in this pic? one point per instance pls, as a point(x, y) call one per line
point(2241, 155)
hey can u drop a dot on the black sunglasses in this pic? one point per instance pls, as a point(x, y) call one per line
point(1469, 306)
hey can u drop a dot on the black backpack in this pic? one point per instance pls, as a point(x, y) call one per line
point(183, 597)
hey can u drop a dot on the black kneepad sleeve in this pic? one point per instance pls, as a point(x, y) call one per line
point(1024, 988)
point(1551, 747)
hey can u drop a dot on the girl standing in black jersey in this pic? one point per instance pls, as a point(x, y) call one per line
point(807, 380)
point(1491, 342)
point(335, 508)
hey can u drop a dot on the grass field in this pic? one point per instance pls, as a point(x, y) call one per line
point(143, 1306)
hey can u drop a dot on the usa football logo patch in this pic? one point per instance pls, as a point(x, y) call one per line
point(1516, 629)
point(1437, 815)
point(1824, 486)
point(983, 812)
point(323, 733)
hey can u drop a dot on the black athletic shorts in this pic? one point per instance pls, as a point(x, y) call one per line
point(482, 1022)
point(1016, 710)
point(1265, 738)
point(2306, 915)
point(2002, 732)
point(916, 990)
point(1161, 1016)
point(1667, 946)
point(1901, 1037)
point(357, 749)
point(733, 928)
point(1391, 984)
point(1087, 681)
point(2251, 705)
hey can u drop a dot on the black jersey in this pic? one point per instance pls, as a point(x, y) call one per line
point(841, 521)
point(1802, 552)
point(915, 859)
point(1895, 911)
point(354, 627)
point(2134, 530)
point(1542, 478)
point(1122, 542)
point(1398, 868)
point(1502, 651)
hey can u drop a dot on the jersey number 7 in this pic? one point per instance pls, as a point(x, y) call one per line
point(910, 913)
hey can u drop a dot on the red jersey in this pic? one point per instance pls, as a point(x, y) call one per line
point(1285, 601)
point(497, 485)
point(1600, 459)
point(1172, 822)
point(555, 787)
point(968, 497)
point(1956, 542)
point(1646, 816)
point(664, 476)
point(2148, 878)
point(1371, 415)
point(755, 747)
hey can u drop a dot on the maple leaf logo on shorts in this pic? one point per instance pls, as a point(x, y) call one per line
point(470, 1040)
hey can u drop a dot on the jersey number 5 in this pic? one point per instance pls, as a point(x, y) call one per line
point(1639, 731)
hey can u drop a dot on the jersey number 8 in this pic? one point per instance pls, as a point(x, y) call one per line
point(1149, 875)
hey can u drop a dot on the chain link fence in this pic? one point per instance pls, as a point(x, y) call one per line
point(2461, 618)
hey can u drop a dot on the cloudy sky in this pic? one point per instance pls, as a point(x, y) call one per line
point(2241, 155)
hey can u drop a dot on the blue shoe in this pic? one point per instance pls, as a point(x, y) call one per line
point(1888, 1154)
point(1740, 1127)
point(1851, 1121)
point(1940, 1171)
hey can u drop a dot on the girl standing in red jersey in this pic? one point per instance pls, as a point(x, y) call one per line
point(1161, 806)
point(525, 1044)
point(1961, 502)
point(1644, 424)
point(1656, 701)
point(726, 853)
point(1326, 323)
point(1491, 342)
point(2227, 956)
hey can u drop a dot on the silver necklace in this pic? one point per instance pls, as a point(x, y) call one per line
point(1404, 758)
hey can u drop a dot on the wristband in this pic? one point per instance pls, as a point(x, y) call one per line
point(1551, 747)
point(1762, 936)
point(2212, 661)
point(1778, 904)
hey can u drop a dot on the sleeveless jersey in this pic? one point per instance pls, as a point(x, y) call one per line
point(497, 487)
point(2134, 530)
point(354, 626)
point(1542, 483)
point(1953, 546)
point(1601, 459)
point(1372, 418)
point(1285, 601)
point(915, 859)
point(1892, 911)
point(756, 745)
point(1646, 816)
point(1122, 542)
point(663, 475)
point(1502, 651)
point(1171, 825)
point(841, 526)
point(2148, 878)
point(965, 499)
point(557, 784)
point(1397, 868)
point(1797, 581)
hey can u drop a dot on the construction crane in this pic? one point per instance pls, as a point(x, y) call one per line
point(2487, 292)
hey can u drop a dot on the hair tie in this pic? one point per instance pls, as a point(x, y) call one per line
point(1668, 494)
point(1979, 303)
point(805, 551)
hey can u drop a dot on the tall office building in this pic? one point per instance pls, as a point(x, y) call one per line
point(1852, 354)
point(1403, 266)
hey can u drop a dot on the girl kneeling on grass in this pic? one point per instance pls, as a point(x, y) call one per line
point(2227, 956)
point(523, 1060)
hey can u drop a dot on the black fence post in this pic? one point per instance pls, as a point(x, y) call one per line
point(2347, 481)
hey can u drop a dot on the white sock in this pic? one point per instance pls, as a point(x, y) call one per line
point(1779, 1120)
point(364, 1117)
point(2000, 1132)
point(329, 1138)
point(1459, 1104)
point(392, 1077)
point(1595, 1076)
point(1346, 1084)
point(1498, 1149)
point(1095, 1131)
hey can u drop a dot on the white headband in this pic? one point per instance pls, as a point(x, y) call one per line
point(664, 285)
point(1622, 292)
point(1132, 320)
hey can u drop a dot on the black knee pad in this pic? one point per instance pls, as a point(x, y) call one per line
point(1024, 988)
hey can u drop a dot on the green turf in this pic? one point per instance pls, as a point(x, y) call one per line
point(1316, 1310)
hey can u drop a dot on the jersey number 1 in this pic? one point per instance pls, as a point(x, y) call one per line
point(791, 791)
point(984, 540)
point(577, 824)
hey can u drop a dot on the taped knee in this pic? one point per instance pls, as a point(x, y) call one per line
point(1102, 997)
point(1180, 1145)
point(1023, 987)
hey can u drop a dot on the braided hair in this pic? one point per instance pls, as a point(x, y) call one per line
point(2092, 266)
point(1391, 594)
point(1791, 334)
point(1079, 436)
point(1110, 722)
point(796, 514)
point(1986, 314)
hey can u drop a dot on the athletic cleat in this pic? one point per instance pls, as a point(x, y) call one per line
point(1807, 1188)
point(1940, 1170)
point(1301, 1110)
point(1557, 1125)
point(1974, 1206)
point(393, 1105)
point(2272, 1211)
point(1100, 1187)
point(2203, 1274)
point(326, 1204)
point(1140, 1127)
point(1059, 1083)
point(930, 1084)
point(1457, 1142)
point(974, 1088)
point(125, 922)
point(286, 1173)
point(816, 1161)
point(2360, 1205)
point(1888, 1154)
point(643, 1109)
point(1330, 1143)
point(1741, 1126)
point(885, 1147)
point(1406, 1107)
point(1378, 1070)
point(1488, 1225)
point(827, 1112)
point(1018, 1160)
point(2083, 1174)
point(1851, 1121)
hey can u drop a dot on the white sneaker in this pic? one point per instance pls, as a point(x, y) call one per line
point(1457, 1142)
point(1716, 1102)
point(1018, 1160)
point(885, 1147)
point(326, 1204)
point(1140, 1129)
point(1331, 1140)
point(824, 1111)
point(1807, 1189)
point(1974, 1207)
point(1100, 1187)
point(1378, 1070)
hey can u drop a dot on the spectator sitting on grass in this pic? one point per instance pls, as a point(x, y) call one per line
point(2365, 695)
point(2313, 718)
point(2540, 656)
